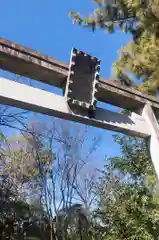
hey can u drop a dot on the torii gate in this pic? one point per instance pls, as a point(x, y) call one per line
point(82, 89)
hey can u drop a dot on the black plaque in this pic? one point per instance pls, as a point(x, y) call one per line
point(82, 80)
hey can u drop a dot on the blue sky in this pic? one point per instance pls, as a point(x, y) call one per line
point(44, 25)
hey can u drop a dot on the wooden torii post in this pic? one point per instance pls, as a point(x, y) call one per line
point(82, 89)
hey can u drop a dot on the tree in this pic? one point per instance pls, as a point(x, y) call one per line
point(50, 181)
point(18, 219)
point(128, 202)
point(72, 222)
point(141, 19)
point(60, 188)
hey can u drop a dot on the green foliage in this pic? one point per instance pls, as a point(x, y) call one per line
point(127, 207)
point(46, 183)
point(24, 164)
point(24, 161)
point(73, 222)
point(141, 19)
point(142, 60)
point(127, 196)
point(108, 16)
point(19, 219)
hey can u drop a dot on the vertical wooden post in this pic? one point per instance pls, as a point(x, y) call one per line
point(149, 116)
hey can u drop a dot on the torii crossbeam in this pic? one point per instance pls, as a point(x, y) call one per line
point(82, 89)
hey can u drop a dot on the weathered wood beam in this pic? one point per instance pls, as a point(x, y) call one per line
point(113, 93)
point(12, 94)
point(32, 64)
